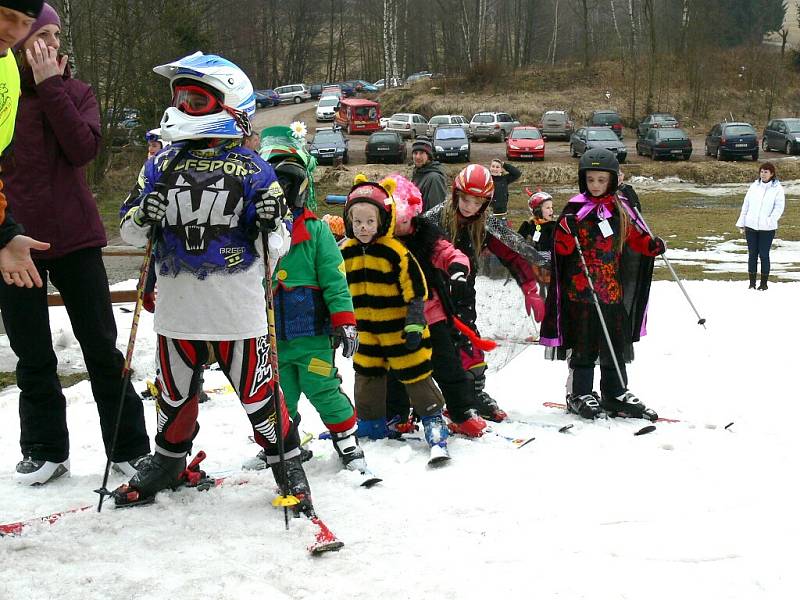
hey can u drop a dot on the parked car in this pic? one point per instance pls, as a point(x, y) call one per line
point(669, 142)
point(297, 93)
point(587, 138)
point(360, 85)
point(327, 107)
point(556, 124)
point(450, 143)
point(347, 89)
point(409, 125)
point(395, 82)
point(497, 125)
point(386, 146)
point(439, 120)
point(327, 145)
point(783, 135)
point(315, 89)
point(358, 115)
point(525, 142)
point(655, 121)
point(332, 90)
point(266, 98)
point(727, 140)
point(606, 118)
point(417, 77)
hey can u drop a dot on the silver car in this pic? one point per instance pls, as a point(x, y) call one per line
point(492, 125)
point(440, 120)
point(297, 93)
point(408, 125)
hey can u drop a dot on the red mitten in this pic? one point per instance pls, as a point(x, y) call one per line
point(533, 301)
point(149, 301)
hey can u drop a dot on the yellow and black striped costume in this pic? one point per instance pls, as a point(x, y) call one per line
point(384, 277)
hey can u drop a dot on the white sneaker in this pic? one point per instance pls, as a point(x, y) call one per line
point(129, 468)
point(31, 471)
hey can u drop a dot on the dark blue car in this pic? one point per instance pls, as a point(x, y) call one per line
point(729, 140)
point(266, 98)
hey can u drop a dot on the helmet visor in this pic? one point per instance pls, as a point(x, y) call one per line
point(195, 100)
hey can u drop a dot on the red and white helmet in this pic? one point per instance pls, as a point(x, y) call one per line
point(535, 200)
point(475, 180)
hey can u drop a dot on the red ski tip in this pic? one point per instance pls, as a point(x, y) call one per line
point(324, 541)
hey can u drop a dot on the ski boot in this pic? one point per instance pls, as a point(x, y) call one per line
point(436, 434)
point(259, 461)
point(160, 473)
point(399, 425)
point(486, 405)
point(627, 405)
point(467, 423)
point(374, 429)
point(296, 484)
point(32, 471)
point(352, 456)
point(585, 405)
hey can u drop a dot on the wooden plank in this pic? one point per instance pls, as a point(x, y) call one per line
point(117, 297)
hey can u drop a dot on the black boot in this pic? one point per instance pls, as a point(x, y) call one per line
point(627, 405)
point(160, 473)
point(764, 279)
point(296, 484)
point(585, 405)
point(752, 281)
point(486, 405)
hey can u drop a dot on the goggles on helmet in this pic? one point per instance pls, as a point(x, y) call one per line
point(195, 100)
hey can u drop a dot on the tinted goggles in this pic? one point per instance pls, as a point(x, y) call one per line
point(195, 100)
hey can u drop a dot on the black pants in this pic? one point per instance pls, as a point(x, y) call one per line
point(449, 375)
point(758, 245)
point(81, 278)
point(581, 373)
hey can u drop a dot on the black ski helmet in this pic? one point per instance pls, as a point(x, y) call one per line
point(598, 159)
point(293, 179)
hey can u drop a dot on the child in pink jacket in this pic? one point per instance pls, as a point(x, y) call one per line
point(446, 270)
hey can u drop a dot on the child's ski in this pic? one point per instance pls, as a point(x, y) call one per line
point(563, 406)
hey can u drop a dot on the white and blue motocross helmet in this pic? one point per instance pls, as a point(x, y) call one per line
point(228, 84)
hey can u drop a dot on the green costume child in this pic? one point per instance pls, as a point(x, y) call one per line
point(312, 302)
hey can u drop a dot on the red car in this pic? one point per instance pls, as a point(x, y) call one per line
point(525, 142)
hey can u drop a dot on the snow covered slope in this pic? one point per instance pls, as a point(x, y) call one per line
point(691, 511)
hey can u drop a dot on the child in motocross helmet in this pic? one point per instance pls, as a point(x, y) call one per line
point(599, 227)
point(389, 293)
point(466, 224)
point(204, 199)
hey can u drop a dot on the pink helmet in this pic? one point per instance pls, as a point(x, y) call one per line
point(408, 203)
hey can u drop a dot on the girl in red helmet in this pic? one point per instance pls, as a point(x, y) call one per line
point(470, 229)
point(540, 227)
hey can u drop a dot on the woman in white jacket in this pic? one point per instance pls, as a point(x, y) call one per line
point(762, 207)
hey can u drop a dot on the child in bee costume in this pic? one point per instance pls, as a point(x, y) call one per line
point(389, 292)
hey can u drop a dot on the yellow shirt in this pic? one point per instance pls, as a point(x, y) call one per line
point(9, 98)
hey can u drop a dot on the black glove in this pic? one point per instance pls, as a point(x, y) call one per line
point(415, 323)
point(569, 224)
point(347, 336)
point(657, 246)
point(270, 205)
point(458, 282)
point(152, 209)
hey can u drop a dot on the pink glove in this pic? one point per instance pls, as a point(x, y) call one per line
point(533, 301)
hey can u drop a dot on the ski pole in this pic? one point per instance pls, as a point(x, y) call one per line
point(273, 361)
point(599, 312)
point(126, 368)
point(700, 320)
